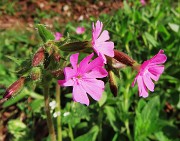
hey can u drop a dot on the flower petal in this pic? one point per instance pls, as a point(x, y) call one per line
point(69, 82)
point(98, 72)
point(74, 60)
point(106, 48)
point(97, 29)
point(103, 37)
point(69, 72)
point(159, 58)
point(97, 62)
point(84, 63)
point(154, 77)
point(134, 82)
point(142, 88)
point(156, 70)
point(79, 94)
point(94, 88)
point(148, 82)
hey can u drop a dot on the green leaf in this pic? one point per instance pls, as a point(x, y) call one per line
point(25, 92)
point(89, 136)
point(151, 39)
point(36, 105)
point(103, 99)
point(111, 116)
point(174, 27)
point(45, 34)
point(147, 118)
point(17, 61)
point(75, 46)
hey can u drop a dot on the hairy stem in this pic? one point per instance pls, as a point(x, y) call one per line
point(48, 114)
point(58, 109)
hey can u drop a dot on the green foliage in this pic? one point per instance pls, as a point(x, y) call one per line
point(140, 31)
point(19, 131)
point(45, 34)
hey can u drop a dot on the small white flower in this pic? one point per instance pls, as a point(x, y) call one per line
point(66, 114)
point(52, 104)
point(57, 114)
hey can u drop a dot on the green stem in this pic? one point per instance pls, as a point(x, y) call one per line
point(128, 130)
point(58, 109)
point(48, 114)
point(100, 125)
point(71, 132)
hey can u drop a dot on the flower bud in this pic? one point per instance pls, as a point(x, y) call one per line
point(35, 73)
point(15, 88)
point(58, 73)
point(38, 57)
point(113, 83)
point(56, 57)
point(123, 58)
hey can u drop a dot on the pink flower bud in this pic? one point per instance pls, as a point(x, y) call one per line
point(14, 88)
point(123, 58)
point(38, 57)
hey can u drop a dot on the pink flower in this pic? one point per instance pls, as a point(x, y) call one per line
point(58, 36)
point(143, 2)
point(83, 78)
point(99, 42)
point(80, 30)
point(150, 70)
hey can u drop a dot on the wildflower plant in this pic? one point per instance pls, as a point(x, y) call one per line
point(87, 75)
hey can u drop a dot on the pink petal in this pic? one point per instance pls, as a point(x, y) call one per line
point(74, 60)
point(154, 77)
point(156, 70)
point(148, 82)
point(106, 48)
point(97, 62)
point(98, 72)
point(142, 88)
point(69, 72)
point(79, 95)
point(84, 63)
point(97, 29)
point(134, 82)
point(159, 58)
point(94, 88)
point(69, 82)
point(103, 37)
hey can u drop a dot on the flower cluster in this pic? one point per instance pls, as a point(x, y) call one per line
point(84, 77)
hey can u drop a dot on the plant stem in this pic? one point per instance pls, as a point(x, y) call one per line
point(58, 109)
point(128, 130)
point(48, 114)
point(100, 125)
point(71, 132)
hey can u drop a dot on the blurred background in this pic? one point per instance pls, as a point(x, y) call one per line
point(138, 28)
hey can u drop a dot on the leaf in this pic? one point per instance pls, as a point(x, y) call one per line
point(75, 46)
point(151, 39)
point(25, 92)
point(89, 136)
point(103, 99)
point(111, 116)
point(160, 136)
point(147, 118)
point(17, 61)
point(174, 27)
point(45, 34)
point(36, 105)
